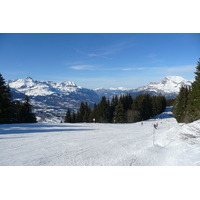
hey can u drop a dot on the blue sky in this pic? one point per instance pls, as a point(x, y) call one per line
point(94, 60)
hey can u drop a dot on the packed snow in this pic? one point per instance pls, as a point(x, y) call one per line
point(95, 144)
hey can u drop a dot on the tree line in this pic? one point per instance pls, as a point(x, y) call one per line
point(14, 111)
point(123, 109)
point(186, 106)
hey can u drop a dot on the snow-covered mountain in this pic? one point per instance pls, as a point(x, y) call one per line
point(169, 87)
point(31, 87)
point(49, 99)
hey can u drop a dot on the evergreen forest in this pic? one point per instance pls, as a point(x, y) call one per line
point(14, 111)
point(123, 109)
point(186, 107)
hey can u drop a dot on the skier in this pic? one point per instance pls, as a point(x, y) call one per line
point(155, 125)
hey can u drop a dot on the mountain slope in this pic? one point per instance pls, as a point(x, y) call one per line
point(168, 87)
point(51, 100)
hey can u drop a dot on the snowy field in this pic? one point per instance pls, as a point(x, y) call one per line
point(90, 144)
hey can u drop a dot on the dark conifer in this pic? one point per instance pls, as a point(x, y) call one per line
point(18, 115)
point(6, 114)
point(26, 112)
point(119, 114)
point(87, 112)
point(104, 111)
point(193, 109)
point(68, 118)
point(143, 104)
point(74, 118)
point(94, 114)
point(180, 104)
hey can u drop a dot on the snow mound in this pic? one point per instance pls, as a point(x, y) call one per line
point(191, 132)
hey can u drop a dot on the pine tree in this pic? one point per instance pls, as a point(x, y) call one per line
point(26, 112)
point(17, 113)
point(87, 112)
point(83, 114)
point(94, 114)
point(127, 101)
point(180, 104)
point(68, 118)
point(6, 114)
point(119, 114)
point(159, 104)
point(113, 105)
point(74, 118)
point(104, 111)
point(143, 104)
point(193, 109)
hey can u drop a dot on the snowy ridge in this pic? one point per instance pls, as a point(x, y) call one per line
point(42, 88)
point(169, 84)
point(119, 88)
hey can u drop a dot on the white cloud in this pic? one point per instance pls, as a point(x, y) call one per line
point(98, 55)
point(134, 69)
point(83, 67)
point(113, 49)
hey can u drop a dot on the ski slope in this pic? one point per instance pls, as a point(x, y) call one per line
point(94, 144)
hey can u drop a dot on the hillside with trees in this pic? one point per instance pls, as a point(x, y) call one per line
point(14, 111)
point(123, 109)
point(186, 106)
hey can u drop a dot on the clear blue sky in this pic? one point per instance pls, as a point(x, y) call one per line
point(94, 60)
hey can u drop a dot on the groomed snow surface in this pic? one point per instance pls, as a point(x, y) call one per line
point(94, 144)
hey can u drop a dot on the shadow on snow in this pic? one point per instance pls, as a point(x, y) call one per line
point(39, 128)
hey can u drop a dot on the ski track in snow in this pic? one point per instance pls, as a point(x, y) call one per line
point(89, 144)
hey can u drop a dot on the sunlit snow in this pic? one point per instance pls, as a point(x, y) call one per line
point(97, 144)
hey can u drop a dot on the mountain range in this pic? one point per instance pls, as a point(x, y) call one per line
point(51, 100)
point(168, 87)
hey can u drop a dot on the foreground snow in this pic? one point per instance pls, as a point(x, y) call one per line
point(101, 144)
